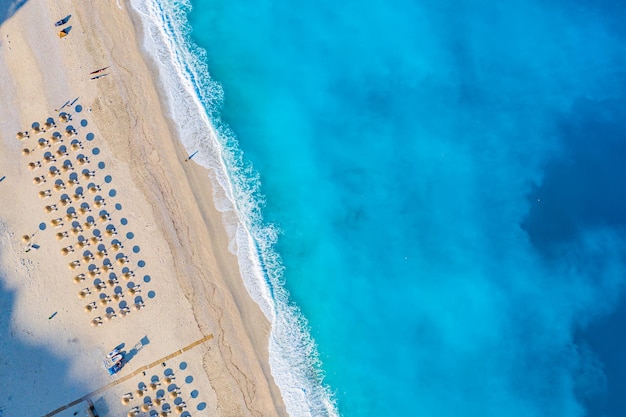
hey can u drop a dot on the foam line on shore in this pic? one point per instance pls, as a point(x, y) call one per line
point(193, 100)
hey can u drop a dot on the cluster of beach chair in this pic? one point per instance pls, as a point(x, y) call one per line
point(79, 213)
point(159, 397)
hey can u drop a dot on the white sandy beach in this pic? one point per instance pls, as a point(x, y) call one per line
point(177, 249)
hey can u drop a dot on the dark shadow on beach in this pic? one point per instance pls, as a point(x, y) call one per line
point(8, 9)
point(128, 356)
point(41, 374)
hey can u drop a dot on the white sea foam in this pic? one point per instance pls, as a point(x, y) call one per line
point(193, 100)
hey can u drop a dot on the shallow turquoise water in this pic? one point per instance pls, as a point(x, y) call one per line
point(447, 179)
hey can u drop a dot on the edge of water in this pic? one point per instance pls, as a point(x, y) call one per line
point(193, 100)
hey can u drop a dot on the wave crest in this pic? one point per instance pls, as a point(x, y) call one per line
point(194, 101)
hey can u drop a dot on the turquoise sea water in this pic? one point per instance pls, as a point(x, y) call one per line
point(446, 178)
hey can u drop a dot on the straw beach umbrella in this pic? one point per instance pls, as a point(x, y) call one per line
point(43, 143)
point(90, 307)
point(65, 200)
point(79, 278)
point(74, 264)
point(26, 238)
point(105, 300)
point(67, 250)
point(145, 408)
point(45, 194)
point(21, 135)
point(133, 290)
point(96, 322)
point(34, 165)
point(128, 396)
point(27, 151)
point(87, 174)
point(51, 208)
point(84, 292)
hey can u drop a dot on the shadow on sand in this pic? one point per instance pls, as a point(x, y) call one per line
point(33, 369)
point(128, 356)
point(8, 8)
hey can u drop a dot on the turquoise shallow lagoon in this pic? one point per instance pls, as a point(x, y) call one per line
point(446, 181)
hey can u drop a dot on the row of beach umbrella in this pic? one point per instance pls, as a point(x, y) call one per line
point(72, 215)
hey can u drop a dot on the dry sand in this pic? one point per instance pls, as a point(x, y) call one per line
point(190, 282)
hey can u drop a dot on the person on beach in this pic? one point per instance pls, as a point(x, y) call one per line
point(191, 156)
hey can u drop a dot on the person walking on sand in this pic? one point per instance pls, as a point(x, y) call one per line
point(191, 156)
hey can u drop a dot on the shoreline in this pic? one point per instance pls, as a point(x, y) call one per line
point(179, 196)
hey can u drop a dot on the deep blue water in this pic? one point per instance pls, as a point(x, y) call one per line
point(448, 180)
